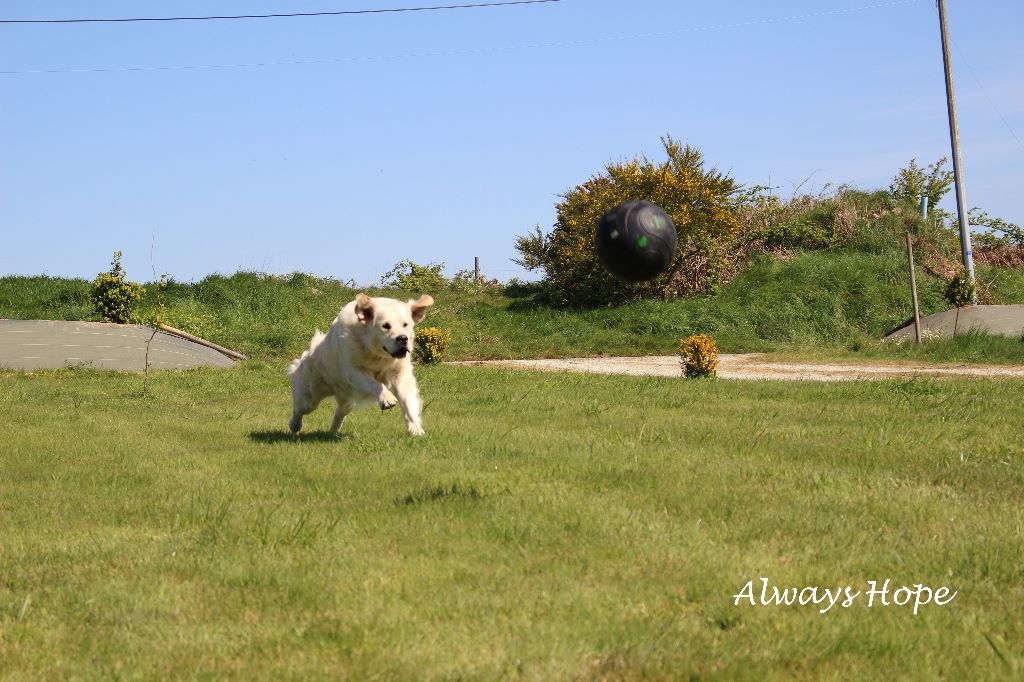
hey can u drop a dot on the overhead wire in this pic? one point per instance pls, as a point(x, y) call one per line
point(470, 51)
point(388, 10)
point(984, 91)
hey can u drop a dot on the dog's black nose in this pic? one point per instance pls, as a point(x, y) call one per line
point(402, 340)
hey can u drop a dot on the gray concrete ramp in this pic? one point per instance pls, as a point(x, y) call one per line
point(1004, 320)
point(42, 344)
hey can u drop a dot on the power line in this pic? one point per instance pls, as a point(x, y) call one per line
point(987, 96)
point(981, 87)
point(391, 10)
point(469, 51)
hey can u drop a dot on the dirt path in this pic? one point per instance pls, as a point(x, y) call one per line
point(756, 366)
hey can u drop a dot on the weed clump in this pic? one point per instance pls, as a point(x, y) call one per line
point(961, 290)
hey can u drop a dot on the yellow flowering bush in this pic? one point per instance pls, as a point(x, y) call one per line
point(700, 356)
point(431, 343)
point(699, 201)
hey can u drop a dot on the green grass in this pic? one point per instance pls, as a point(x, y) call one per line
point(822, 301)
point(971, 347)
point(549, 526)
point(45, 298)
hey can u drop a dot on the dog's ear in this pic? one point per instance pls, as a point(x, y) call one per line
point(419, 307)
point(364, 308)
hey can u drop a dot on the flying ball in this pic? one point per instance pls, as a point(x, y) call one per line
point(636, 240)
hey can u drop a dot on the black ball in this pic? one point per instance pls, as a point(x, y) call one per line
point(636, 240)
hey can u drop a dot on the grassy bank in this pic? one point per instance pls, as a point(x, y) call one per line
point(548, 526)
point(830, 302)
point(970, 347)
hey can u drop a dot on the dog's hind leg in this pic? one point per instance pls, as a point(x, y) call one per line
point(303, 402)
point(299, 410)
point(344, 407)
point(295, 423)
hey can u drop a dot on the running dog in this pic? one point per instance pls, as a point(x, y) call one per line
point(364, 356)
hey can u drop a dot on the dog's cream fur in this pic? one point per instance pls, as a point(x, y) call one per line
point(365, 355)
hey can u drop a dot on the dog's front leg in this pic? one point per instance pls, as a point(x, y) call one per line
point(368, 384)
point(409, 398)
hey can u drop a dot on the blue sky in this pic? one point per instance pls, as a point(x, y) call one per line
point(440, 136)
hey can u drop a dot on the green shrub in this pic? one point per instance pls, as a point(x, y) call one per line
point(698, 200)
point(415, 278)
point(467, 281)
point(805, 232)
point(913, 182)
point(961, 290)
point(997, 233)
point(431, 344)
point(113, 296)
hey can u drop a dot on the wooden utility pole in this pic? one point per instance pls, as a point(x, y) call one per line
point(954, 136)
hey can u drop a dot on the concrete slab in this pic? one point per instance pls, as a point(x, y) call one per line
point(1005, 320)
point(42, 344)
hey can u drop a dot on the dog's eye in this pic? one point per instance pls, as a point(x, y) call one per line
point(405, 324)
point(386, 325)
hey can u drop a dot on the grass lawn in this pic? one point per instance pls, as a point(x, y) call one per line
point(549, 526)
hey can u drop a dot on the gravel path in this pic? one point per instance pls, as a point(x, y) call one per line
point(756, 366)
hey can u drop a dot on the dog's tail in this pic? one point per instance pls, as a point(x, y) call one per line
point(318, 337)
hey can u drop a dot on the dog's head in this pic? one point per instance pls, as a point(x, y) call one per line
point(389, 324)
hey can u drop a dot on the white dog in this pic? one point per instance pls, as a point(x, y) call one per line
point(364, 356)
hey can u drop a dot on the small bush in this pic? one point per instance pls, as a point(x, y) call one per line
point(700, 356)
point(960, 290)
point(802, 233)
point(517, 288)
point(431, 344)
point(113, 296)
point(467, 281)
point(415, 278)
point(997, 232)
point(913, 182)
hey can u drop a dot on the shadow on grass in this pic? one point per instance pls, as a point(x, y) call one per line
point(440, 492)
point(272, 437)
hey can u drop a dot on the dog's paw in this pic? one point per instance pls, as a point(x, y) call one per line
point(416, 430)
point(387, 400)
